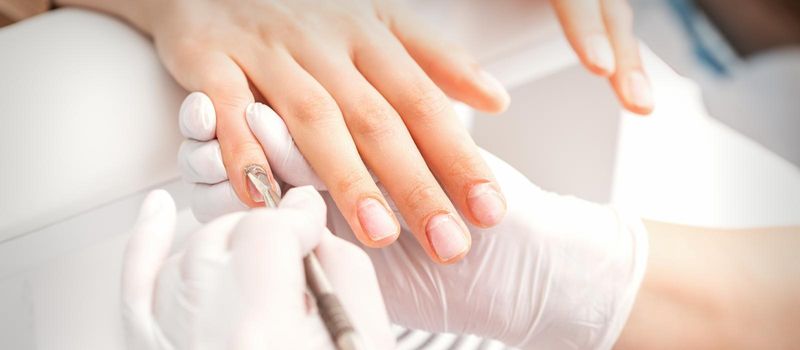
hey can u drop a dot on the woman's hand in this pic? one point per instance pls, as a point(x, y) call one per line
point(360, 87)
point(239, 283)
point(201, 163)
point(556, 271)
point(601, 33)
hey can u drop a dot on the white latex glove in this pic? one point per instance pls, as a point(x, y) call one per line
point(239, 284)
point(200, 158)
point(557, 273)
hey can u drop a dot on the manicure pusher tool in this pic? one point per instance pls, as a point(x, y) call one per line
point(336, 320)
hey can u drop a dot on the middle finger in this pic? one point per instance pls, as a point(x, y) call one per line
point(320, 133)
point(389, 151)
point(429, 116)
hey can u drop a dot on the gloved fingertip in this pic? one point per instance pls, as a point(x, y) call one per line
point(307, 200)
point(285, 224)
point(197, 117)
point(256, 113)
point(157, 202)
point(299, 197)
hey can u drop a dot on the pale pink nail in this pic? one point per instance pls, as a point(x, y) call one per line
point(638, 90)
point(375, 220)
point(490, 83)
point(486, 204)
point(446, 236)
point(599, 53)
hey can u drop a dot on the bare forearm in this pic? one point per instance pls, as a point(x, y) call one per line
point(708, 288)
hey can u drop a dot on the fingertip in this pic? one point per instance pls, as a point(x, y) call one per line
point(259, 115)
point(147, 247)
point(448, 237)
point(486, 204)
point(156, 203)
point(598, 56)
point(381, 243)
point(278, 144)
point(286, 224)
point(496, 98)
point(211, 201)
point(306, 199)
point(197, 117)
point(635, 92)
point(378, 224)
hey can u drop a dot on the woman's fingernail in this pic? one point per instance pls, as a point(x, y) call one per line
point(486, 203)
point(637, 90)
point(255, 194)
point(491, 83)
point(599, 53)
point(375, 220)
point(446, 236)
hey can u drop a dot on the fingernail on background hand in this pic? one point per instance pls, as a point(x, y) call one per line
point(493, 85)
point(599, 53)
point(637, 90)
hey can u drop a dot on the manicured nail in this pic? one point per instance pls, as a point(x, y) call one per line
point(638, 91)
point(446, 236)
point(599, 53)
point(486, 203)
point(375, 220)
point(255, 194)
point(490, 83)
point(198, 118)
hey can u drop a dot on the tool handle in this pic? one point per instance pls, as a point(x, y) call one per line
point(333, 315)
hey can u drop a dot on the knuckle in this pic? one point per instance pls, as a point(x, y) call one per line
point(428, 103)
point(373, 120)
point(242, 149)
point(463, 164)
point(421, 194)
point(315, 108)
point(352, 181)
point(225, 100)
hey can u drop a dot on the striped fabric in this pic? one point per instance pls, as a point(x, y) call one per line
point(408, 339)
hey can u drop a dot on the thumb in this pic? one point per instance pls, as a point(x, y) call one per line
point(148, 246)
point(284, 157)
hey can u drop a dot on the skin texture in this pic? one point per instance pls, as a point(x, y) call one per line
point(363, 88)
point(717, 289)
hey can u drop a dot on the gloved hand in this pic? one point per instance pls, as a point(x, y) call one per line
point(557, 273)
point(240, 284)
point(201, 162)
